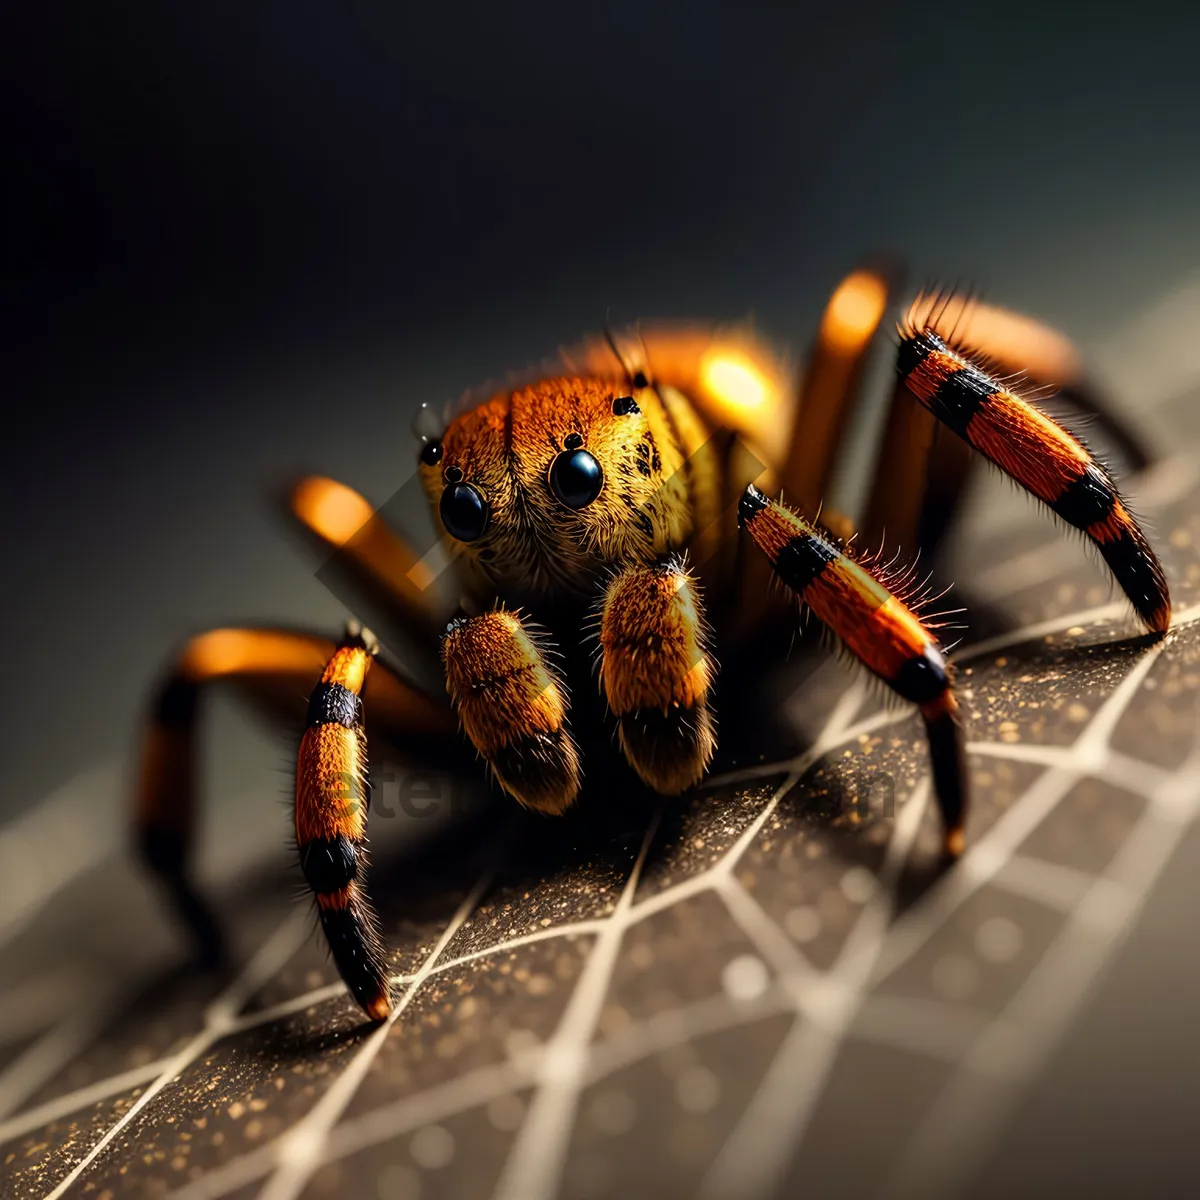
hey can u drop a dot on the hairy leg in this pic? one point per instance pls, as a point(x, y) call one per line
point(373, 569)
point(512, 706)
point(1030, 447)
point(656, 674)
point(331, 806)
point(921, 471)
point(878, 629)
point(275, 669)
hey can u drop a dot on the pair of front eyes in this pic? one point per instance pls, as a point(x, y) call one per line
point(575, 478)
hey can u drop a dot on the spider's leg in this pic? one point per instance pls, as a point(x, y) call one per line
point(1014, 344)
point(878, 629)
point(512, 706)
point(919, 479)
point(331, 807)
point(275, 669)
point(1037, 453)
point(830, 384)
point(379, 566)
point(656, 674)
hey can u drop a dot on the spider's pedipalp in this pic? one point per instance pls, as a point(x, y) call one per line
point(1040, 455)
point(656, 674)
point(878, 629)
point(513, 707)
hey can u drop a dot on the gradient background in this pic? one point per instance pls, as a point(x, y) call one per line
point(244, 241)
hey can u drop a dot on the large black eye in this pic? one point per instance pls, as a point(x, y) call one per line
point(576, 478)
point(464, 511)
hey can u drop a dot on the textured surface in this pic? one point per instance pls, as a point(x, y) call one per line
point(717, 996)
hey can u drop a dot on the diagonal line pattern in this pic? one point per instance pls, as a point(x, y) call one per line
point(301, 1149)
point(269, 960)
point(536, 1161)
point(822, 996)
point(755, 1156)
point(964, 1121)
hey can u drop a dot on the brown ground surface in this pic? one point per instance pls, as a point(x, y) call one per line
point(753, 988)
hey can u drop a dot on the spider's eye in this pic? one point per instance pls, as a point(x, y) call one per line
point(464, 511)
point(623, 406)
point(431, 453)
point(576, 478)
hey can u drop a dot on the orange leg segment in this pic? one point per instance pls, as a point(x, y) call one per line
point(878, 629)
point(1039, 454)
point(332, 801)
point(275, 669)
point(656, 674)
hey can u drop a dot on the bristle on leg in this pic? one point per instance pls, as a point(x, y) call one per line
point(656, 674)
point(332, 798)
point(1039, 454)
point(877, 628)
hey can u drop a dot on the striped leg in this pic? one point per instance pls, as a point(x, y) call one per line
point(332, 801)
point(274, 669)
point(656, 675)
point(512, 707)
point(878, 629)
point(1040, 455)
point(920, 477)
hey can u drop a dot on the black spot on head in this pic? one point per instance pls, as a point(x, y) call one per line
point(645, 456)
point(624, 406)
point(452, 475)
point(639, 380)
point(573, 441)
point(431, 453)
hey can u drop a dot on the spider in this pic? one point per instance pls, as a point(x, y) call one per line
point(634, 483)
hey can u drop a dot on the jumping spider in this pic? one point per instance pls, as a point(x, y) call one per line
point(617, 485)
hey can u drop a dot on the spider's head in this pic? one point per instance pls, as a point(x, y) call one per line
point(541, 487)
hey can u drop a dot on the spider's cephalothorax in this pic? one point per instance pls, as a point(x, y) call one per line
point(545, 488)
point(621, 490)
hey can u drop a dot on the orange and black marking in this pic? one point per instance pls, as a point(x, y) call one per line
point(332, 799)
point(513, 707)
point(877, 628)
point(656, 674)
point(1040, 455)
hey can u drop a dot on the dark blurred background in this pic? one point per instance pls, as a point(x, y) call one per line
point(241, 241)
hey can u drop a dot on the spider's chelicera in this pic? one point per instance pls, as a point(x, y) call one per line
point(637, 486)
